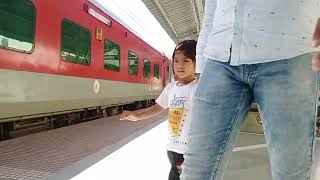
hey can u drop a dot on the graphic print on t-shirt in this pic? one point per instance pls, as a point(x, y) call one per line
point(176, 115)
point(175, 118)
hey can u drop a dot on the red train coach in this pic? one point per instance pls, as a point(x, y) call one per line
point(64, 62)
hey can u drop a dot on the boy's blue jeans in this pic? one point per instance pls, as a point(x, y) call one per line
point(286, 95)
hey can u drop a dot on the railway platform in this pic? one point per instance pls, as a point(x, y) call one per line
point(118, 150)
point(74, 148)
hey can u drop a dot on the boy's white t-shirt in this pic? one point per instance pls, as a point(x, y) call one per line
point(178, 98)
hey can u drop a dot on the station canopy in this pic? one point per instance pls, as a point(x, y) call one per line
point(181, 19)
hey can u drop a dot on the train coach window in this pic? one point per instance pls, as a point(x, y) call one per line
point(133, 63)
point(17, 25)
point(156, 71)
point(111, 56)
point(146, 68)
point(75, 43)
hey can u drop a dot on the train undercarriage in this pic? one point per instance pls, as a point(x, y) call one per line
point(38, 123)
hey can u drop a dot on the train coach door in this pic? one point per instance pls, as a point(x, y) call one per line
point(164, 73)
point(167, 71)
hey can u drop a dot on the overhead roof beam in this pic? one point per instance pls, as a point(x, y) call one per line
point(159, 5)
point(198, 7)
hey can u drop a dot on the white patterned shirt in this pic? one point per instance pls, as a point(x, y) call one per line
point(256, 31)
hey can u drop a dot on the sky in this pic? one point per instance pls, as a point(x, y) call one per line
point(136, 15)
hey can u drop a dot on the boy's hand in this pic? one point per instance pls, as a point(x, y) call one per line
point(128, 115)
point(179, 167)
point(316, 40)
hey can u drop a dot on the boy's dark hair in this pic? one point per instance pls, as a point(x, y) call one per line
point(188, 47)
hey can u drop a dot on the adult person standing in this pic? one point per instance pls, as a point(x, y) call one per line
point(258, 50)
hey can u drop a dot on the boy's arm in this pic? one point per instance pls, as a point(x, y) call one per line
point(136, 116)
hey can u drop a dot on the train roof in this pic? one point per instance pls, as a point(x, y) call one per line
point(125, 24)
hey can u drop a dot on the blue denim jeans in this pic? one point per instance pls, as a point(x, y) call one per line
point(285, 92)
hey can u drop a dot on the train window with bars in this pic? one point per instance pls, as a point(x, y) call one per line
point(146, 68)
point(133, 63)
point(111, 56)
point(17, 25)
point(75, 43)
point(156, 71)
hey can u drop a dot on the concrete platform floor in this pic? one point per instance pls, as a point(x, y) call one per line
point(145, 158)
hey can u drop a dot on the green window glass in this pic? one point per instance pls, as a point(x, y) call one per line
point(133, 63)
point(146, 68)
point(17, 25)
point(156, 71)
point(111, 56)
point(75, 43)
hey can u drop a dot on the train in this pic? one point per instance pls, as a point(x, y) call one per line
point(66, 62)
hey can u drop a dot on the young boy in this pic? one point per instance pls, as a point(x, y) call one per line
point(177, 97)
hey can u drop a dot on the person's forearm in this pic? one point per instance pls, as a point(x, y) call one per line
point(206, 27)
point(316, 41)
point(316, 34)
point(150, 112)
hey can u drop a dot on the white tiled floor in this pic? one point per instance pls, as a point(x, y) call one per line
point(145, 158)
point(62, 153)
